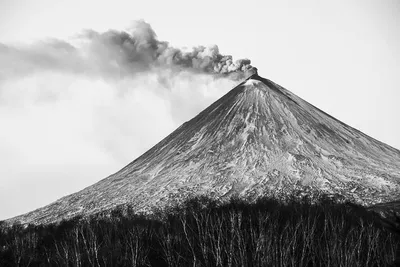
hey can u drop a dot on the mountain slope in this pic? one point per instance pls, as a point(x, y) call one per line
point(257, 139)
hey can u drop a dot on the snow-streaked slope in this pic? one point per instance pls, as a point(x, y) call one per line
point(257, 139)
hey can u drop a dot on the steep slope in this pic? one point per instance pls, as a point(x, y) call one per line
point(257, 139)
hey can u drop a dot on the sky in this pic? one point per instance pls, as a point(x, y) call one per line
point(79, 100)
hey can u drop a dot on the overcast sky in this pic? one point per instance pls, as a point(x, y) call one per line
point(70, 114)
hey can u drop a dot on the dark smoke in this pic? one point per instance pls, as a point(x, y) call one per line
point(122, 53)
point(141, 49)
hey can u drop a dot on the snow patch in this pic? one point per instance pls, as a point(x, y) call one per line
point(252, 82)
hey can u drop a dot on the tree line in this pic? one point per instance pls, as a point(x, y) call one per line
point(204, 232)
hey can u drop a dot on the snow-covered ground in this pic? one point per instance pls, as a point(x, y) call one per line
point(259, 139)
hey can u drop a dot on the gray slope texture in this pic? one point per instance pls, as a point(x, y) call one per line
point(258, 139)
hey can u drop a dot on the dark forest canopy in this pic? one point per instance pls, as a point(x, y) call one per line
point(203, 232)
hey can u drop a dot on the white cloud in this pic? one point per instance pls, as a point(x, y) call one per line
point(62, 131)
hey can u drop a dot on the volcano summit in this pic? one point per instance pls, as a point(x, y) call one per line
point(259, 139)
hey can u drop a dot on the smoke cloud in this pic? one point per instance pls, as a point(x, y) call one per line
point(118, 54)
point(74, 111)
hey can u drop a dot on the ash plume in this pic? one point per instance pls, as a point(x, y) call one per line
point(118, 54)
point(140, 49)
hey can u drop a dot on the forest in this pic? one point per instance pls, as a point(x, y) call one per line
point(205, 232)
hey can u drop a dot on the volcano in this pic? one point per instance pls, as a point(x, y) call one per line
point(257, 140)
